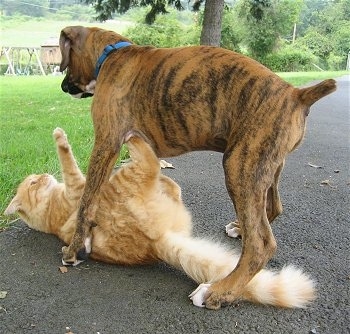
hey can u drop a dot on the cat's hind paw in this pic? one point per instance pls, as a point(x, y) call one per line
point(134, 135)
point(198, 296)
point(233, 230)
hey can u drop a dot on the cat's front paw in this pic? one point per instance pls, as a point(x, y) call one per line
point(61, 138)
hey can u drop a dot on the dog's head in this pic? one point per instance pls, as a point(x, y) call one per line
point(81, 48)
point(79, 58)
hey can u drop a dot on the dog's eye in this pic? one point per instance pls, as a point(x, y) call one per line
point(32, 182)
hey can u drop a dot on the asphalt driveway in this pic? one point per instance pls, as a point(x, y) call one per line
point(313, 232)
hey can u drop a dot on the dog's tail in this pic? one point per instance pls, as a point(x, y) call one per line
point(207, 262)
point(310, 95)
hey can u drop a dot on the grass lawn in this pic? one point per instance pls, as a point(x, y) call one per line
point(302, 78)
point(32, 107)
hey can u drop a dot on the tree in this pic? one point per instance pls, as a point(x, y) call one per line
point(211, 29)
point(319, 44)
point(329, 36)
point(309, 14)
point(106, 8)
point(231, 30)
point(212, 21)
point(265, 21)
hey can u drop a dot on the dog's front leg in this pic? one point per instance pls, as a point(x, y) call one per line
point(103, 157)
point(249, 197)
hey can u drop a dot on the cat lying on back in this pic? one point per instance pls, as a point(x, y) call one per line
point(142, 219)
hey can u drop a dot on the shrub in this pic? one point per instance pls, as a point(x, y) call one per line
point(165, 32)
point(319, 44)
point(336, 63)
point(170, 30)
point(289, 59)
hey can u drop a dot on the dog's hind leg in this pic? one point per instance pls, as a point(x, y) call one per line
point(273, 201)
point(273, 206)
point(248, 187)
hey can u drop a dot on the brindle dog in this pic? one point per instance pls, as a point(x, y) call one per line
point(185, 99)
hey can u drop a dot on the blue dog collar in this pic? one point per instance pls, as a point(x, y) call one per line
point(107, 50)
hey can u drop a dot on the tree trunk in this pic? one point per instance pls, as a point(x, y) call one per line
point(211, 30)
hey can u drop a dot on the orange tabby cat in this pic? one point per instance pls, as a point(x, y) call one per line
point(142, 219)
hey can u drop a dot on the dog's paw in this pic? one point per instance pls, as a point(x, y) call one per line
point(72, 258)
point(215, 301)
point(221, 294)
point(61, 138)
point(233, 230)
point(198, 296)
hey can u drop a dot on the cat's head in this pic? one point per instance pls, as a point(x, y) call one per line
point(32, 199)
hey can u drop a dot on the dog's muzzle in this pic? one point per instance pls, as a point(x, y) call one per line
point(73, 90)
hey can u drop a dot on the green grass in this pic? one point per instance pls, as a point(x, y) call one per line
point(302, 78)
point(32, 107)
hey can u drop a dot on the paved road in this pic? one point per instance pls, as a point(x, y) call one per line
point(313, 232)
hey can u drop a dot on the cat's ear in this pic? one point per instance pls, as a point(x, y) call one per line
point(13, 207)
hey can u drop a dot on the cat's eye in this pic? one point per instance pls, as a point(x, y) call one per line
point(32, 182)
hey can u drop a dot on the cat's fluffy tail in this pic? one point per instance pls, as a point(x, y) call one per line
point(207, 262)
point(289, 287)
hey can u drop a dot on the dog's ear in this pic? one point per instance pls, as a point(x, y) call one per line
point(13, 207)
point(71, 37)
point(310, 95)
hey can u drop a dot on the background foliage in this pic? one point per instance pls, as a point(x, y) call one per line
point(262, 29)
point(171, 30)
